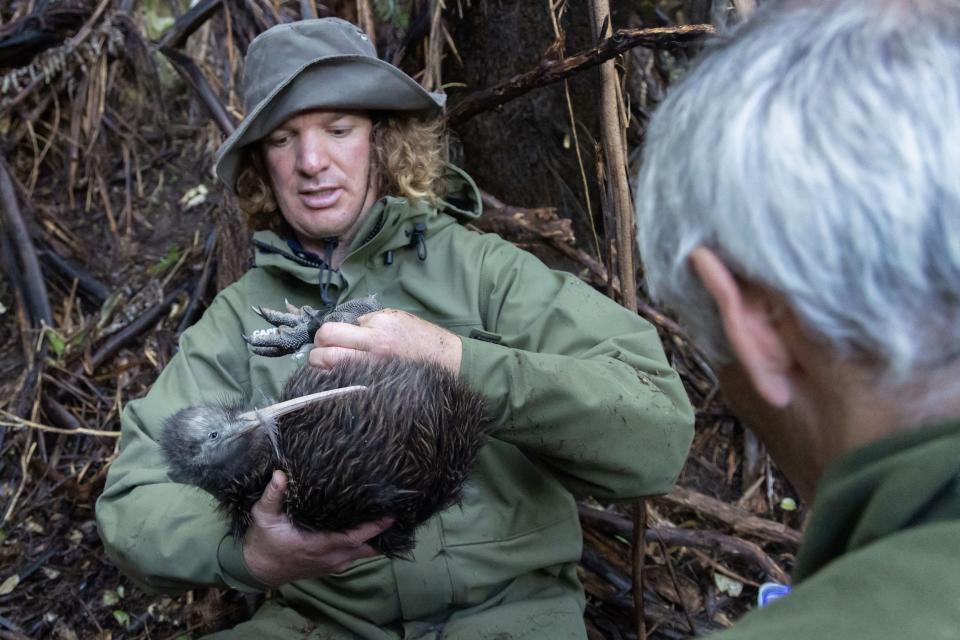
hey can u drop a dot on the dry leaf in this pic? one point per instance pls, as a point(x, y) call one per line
point(9, 584)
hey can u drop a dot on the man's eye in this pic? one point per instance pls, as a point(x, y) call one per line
point(340, 132)
point(213, 435)
point(278, 141)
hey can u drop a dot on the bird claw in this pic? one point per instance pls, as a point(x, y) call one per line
point(279, 340)
point(295, 328)
point(291, 318)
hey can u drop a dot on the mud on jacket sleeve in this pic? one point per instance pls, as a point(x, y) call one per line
point(577, 381)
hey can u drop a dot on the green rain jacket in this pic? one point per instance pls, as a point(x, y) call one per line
point(579, 391)
point(881, 557)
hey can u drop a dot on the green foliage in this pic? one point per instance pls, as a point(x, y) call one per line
point(122, 617)
point(58, 344)
point(393, 11)
point(165, 262)
point(157, 18)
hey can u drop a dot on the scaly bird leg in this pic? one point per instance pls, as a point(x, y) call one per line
point(296, 328)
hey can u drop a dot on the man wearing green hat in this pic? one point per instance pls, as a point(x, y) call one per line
point(339, 165)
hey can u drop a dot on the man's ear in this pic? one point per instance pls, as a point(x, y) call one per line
point(748, 315)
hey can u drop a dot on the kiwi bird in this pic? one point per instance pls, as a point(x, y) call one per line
point(396, 438)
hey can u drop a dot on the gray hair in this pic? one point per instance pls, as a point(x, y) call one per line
point(817, 152)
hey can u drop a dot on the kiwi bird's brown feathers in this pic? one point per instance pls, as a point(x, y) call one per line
point(402, 448)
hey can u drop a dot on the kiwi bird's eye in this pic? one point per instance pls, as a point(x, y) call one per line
point(214, 435)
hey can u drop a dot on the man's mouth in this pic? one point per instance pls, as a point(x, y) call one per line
point(321, 198)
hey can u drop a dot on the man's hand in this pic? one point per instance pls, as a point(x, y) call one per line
point(386, 333)
point(276, 552)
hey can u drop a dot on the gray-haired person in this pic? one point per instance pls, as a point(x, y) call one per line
point(799, 208)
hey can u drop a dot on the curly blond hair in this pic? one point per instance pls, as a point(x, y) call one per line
point(408, 156)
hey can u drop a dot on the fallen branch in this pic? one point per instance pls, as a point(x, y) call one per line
point(71, 46)
point(35, 289)
point(661, 617)
point(202, 282)
point(189, 22)
point(134, 329)
point(696, 538)
point(550, 71)
point(741, 520)
point(58, 414)
point(521, 224)
point(95, 291)
point(192, 75)
point(46, 26)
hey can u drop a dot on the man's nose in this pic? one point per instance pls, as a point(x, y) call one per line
point(312, 156)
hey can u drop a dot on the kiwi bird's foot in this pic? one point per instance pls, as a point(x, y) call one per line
point(293, 317)
point(279, 341)
point(295, 328)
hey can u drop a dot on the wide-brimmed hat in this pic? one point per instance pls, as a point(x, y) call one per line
point(315, 64)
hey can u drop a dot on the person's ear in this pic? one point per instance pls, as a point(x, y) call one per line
point(748, 315)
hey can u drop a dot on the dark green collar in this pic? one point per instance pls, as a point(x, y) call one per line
point(902, 481)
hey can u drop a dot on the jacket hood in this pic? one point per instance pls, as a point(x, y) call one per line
point(392, 223)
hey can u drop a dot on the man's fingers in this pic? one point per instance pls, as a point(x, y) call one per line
point(342, 334)
point(271, 502)
point(326, 357)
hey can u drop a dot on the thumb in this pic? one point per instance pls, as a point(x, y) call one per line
point(272, 499)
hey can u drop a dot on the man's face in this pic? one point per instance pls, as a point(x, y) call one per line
point(319, 167)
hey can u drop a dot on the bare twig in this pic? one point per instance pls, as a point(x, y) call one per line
point(432, 76)
point(741, 520)
point(189, 22)
point(36, 290)
point(676, 584)
point(10, 420)
point(611, 121)
point(637, 555)
point(550, 71)
point(24, 465)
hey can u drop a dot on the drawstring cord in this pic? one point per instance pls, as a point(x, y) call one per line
point(418, 240)
point(326, 274)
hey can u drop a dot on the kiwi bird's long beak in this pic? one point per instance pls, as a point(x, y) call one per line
point(259, 416)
